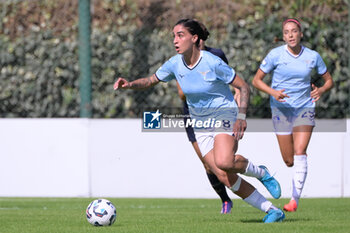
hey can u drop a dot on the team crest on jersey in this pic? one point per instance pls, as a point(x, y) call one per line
point(204, 73)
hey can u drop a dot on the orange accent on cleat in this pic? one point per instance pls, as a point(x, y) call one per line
point(226, 207)
point(291, 206)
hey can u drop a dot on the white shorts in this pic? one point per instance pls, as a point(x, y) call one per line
point(284, 122)
point(205, 139)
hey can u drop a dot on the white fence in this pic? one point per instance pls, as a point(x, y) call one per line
point(113, 158)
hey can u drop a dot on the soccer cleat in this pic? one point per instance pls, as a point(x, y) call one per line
point(270, 183)
point(291, 206)
point(274, 215)
point(226, 207)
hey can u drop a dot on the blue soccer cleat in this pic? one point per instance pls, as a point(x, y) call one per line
point(274, 215)
point(270, 183)
point(226, 207)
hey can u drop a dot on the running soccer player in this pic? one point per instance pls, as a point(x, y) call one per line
point(293, 99)
point(214, 181)
point(205, 79)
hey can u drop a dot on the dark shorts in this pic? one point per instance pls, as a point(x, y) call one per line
point(189, 130)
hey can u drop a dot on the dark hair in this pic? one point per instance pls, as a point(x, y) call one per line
point(194, 28)
point(205, 32)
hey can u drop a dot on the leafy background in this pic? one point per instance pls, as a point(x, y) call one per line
point(39, 66)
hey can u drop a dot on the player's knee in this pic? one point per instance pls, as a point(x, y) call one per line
point(289, 162)
point(288, 159)
point(224, 165)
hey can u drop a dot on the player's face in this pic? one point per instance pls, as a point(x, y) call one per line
point(183, 39)
point(292, 34)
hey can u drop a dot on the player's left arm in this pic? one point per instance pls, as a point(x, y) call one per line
point(317, 92)
point(244, 92)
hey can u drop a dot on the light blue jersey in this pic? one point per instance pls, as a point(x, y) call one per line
point(293, 73)
point(205, 85)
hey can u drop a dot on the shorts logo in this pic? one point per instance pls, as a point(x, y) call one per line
point(151, 120)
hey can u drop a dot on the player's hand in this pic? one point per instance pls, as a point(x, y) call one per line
point(239, 128)
point(121, 83)
point(279, 95)
point(315, 93)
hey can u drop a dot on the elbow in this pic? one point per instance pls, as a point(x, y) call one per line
point(254, 83)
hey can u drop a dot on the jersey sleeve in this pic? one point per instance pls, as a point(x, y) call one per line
point(268, 64)
point(224, 72)
point(222, 55)
point(320, 65)
point(165, 73)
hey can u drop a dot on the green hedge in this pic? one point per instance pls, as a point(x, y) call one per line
point(39, 74)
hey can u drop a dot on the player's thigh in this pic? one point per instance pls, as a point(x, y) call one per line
point(225, 147)
point(301, 137)
point(285, 142)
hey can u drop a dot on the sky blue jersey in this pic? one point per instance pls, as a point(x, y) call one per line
point(205, 85)
point(293, 73)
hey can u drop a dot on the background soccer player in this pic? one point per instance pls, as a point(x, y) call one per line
point(293, 99)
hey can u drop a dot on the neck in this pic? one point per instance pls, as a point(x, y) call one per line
point(295, 50)
point(192, 56)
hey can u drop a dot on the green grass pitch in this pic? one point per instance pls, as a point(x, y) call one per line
point(50, 215)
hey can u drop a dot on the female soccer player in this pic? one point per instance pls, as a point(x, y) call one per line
point(214, 181)
point(204, 79)
point(292, 100)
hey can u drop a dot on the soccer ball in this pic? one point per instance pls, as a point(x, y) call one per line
point(101, 212)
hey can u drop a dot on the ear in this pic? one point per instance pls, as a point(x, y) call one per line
point(194, 38)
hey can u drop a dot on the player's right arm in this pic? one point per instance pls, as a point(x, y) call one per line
point(258, 83)
point(141, 83)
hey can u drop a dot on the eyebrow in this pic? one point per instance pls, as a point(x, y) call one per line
point(180, 32)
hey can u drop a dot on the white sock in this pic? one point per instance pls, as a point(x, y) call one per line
point(254, 171)
point(259, 201)
point(300, 173)
point(235, 187)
